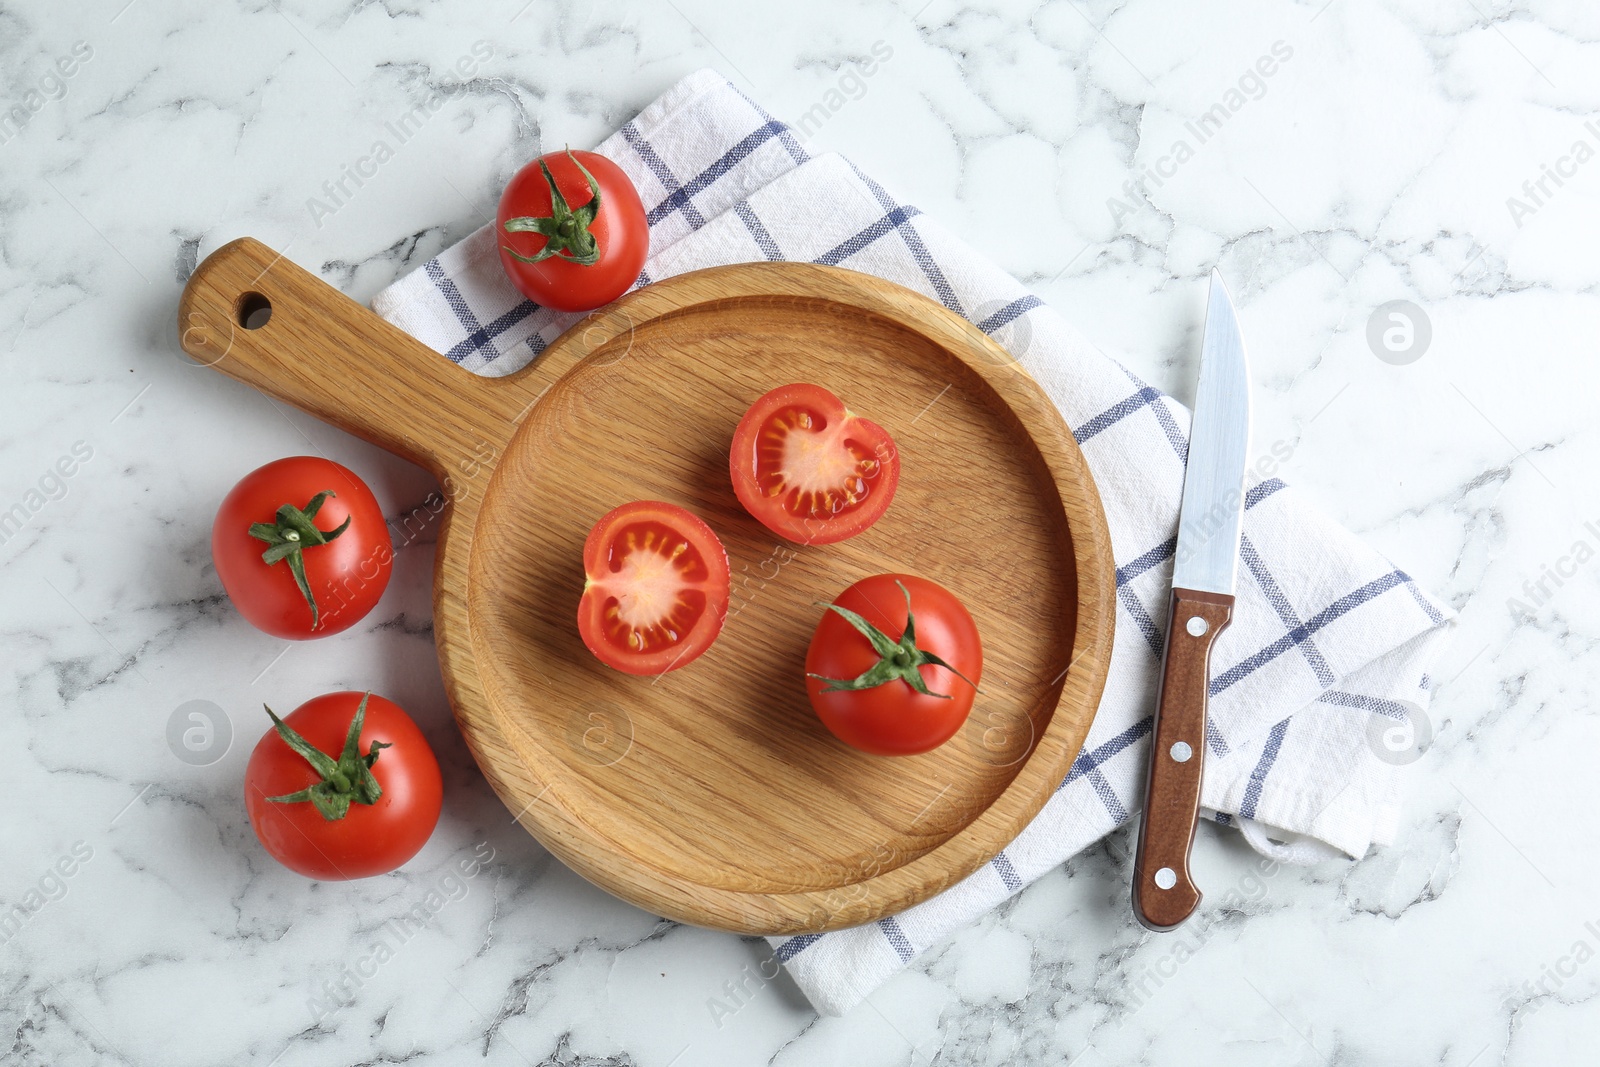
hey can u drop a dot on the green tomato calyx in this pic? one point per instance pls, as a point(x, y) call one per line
point(566, 230)
point(347, 779)
point(289, 535)
point(900, 660)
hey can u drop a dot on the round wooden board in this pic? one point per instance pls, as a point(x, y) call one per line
point(712, 795)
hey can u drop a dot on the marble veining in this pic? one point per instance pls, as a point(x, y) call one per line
point(1399, 150)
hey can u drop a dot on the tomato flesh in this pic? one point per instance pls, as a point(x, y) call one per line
point(656, 588)
point(809, 469)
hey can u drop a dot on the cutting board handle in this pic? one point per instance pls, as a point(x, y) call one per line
point(255, 316)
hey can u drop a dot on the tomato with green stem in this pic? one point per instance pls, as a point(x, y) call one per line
point(894, 665)
point(572, 231)
point(353, 815)
point(302, 548)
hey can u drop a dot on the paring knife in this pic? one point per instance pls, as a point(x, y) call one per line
point(1201, 606)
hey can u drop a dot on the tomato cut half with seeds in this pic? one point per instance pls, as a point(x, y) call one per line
point(811, 470)
point(655, 592)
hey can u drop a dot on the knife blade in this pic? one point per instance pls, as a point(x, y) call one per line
point(1199, 608)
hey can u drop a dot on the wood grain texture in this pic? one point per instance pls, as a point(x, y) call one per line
point(712, 795)
point(1172, 786)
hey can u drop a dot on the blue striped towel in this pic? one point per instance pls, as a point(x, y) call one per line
point(1330, 643)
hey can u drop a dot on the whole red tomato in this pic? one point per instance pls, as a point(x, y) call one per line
point(324, 808)
point(809, 469)
point(301, 548)
point(894, 665)
point(572, 231)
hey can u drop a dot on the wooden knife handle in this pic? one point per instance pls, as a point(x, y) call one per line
point(1163, 893)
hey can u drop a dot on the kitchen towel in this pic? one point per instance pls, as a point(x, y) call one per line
point(1318, 684)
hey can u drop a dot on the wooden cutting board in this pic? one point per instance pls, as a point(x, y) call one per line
point(712, 794)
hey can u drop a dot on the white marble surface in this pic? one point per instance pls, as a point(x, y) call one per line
point(1375, 164)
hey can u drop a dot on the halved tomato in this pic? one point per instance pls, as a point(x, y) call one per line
point(811, 470)
point(655, 592)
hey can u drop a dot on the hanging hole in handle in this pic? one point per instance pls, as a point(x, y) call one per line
point(253, 311)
